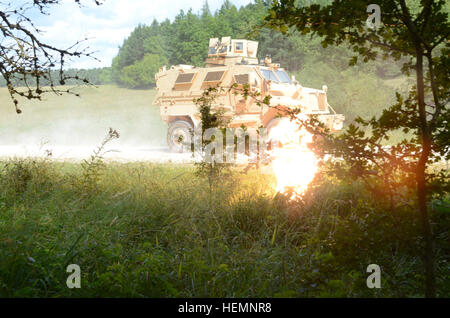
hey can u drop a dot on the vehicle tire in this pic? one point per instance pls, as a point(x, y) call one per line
point(179, 136)
point(270, 125)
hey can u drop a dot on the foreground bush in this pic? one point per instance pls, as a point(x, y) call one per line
point(146, 231)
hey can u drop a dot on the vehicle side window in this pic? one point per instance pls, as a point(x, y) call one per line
point(184, 81)
point(242, 79)
point(214, 76)
point(184, 78)
point(239, 47)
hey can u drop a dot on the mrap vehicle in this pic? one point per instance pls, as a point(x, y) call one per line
point(233, 63)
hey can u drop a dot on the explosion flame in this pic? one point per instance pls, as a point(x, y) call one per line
point(293, 163)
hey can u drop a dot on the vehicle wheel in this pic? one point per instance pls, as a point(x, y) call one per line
point(179, 136)
point(270, 125)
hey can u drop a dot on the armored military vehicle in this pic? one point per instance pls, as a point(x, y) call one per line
point(233, 62)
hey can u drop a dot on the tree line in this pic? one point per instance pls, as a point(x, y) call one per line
point(186, 39)
point(354, 91)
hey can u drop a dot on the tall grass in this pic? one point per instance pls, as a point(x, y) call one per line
point(148, 232)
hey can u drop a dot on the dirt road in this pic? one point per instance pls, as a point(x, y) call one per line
point(78, 153)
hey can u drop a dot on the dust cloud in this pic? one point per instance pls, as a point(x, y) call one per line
point(71, 127)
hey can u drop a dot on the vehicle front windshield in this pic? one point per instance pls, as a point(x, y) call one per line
point(282, 75)
point(269, 75)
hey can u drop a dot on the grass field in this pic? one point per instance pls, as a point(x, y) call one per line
point(84, 120)
point(147, 230)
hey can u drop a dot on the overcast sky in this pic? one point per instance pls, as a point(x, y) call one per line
point(109, 24)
